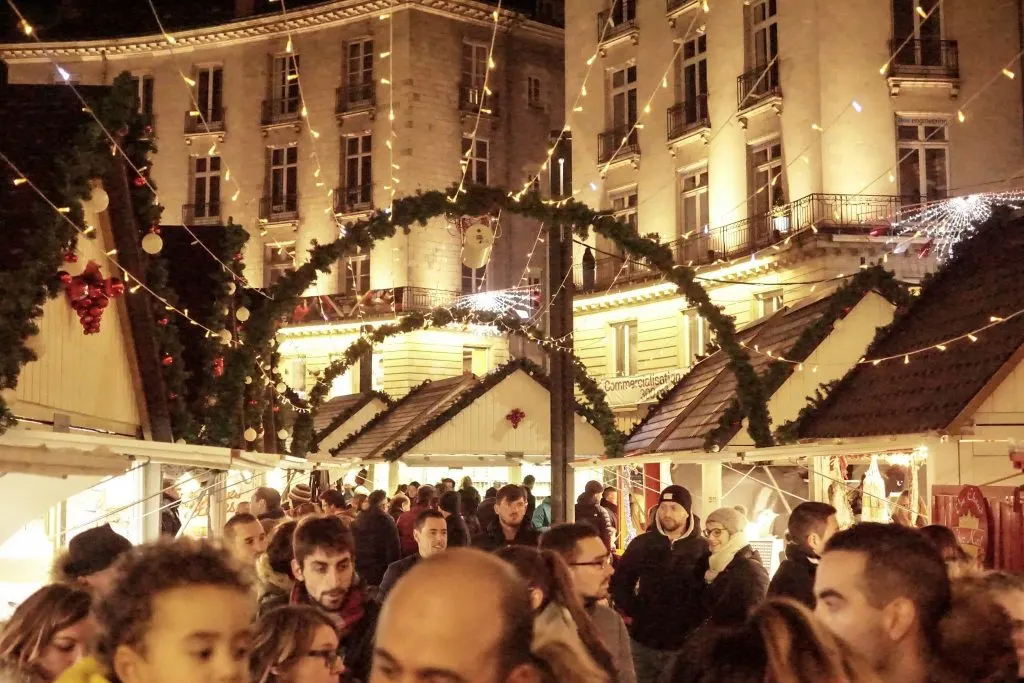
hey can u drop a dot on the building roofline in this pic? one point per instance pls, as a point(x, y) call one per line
point(330, 14)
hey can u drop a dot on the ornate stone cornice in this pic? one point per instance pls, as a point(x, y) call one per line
point(266, 27)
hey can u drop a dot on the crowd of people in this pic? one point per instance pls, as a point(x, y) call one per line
point(439, 584)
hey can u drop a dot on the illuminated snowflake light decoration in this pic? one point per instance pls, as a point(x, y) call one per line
point(946, 223)
point(518, 299)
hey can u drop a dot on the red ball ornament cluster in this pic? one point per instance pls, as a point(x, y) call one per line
point(90, 293)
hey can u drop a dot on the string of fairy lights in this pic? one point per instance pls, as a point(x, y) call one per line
point(116, 147)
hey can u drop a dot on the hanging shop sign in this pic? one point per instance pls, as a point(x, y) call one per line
point(628, 391)
point(973, 523)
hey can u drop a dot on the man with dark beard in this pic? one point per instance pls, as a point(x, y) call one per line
point(657, 586)
point(324, 567)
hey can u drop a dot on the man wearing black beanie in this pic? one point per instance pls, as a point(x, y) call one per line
point(657, 587)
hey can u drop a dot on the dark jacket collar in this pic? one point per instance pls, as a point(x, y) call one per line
point(798, 553)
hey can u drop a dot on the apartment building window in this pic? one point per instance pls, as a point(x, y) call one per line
point(624, 207)
point(923, 152)
point(357, 273)
point(474, 64)
point(358, 190)
point(474, 279)
point(623, 92)
point(284, 173)
point(696, 337)
point(766, 177)
point(624, 348)
point(359, 71)
point(622, 12)
point(917, 31)
point(476, 155)
point(210, 93)
point(695, 202)
point(768, 303)
point(285, 85)
point(761, 79)
point(143, 94)
point(206, 188)
point(533, 92)
point(475, 359)
point(278, 261)
point(694, 79)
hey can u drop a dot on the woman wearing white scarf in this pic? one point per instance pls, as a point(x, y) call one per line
point(735, 580)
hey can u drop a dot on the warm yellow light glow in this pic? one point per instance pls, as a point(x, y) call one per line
point(1009, 74)
point(816, 127)
point(314, 133)
point(20, 181)
point(26, 27)
point(995, 319)
point(972, 337)
point(583, 90)
point(191, 83)
point(169, 38)
point(288, 47)
point(920, 10)
point(940, 347)
point(960, 116)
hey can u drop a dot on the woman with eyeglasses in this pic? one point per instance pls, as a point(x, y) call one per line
point(735, 581)
point(565, 640)
point(295, 644)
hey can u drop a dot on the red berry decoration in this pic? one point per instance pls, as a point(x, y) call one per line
point(114, 287)
point(71, 257)
point(65, 278)
point(139, 181)
point(172, 396)
point(162, 321)
point(167, 361)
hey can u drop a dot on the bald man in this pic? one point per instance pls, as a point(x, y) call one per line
point(487, 630)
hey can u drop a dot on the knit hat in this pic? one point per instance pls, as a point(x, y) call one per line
point(93, 551)
point(677, 494)
point(733, 519)
point(299, 494)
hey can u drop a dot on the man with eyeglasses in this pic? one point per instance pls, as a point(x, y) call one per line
point(590, 565)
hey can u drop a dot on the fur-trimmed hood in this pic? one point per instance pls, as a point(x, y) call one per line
point(557, 643)
point(271, 581)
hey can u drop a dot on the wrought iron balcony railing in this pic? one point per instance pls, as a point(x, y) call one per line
point(758, 84)
point(617, 142)
point(201, 214)
point(198, 122)
point(375, 302)
point(683, 117)
point(925, 58)
point(614, 22)
point(281, 110)
point(355, 97)
point(353, 199)
point(279, 208)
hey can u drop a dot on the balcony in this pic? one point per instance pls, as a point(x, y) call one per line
point(355, 97)
point(353, 199)
point(280, 111)
point(686, 118)
point(925, 63)
point(473, 99)
point(673, 6)
point(203, 122)
point(617, 144)
point(833, 214)
point(757, 85)
point(374, 303)
point(279, 209)
point(617, 22)
point(201, 214)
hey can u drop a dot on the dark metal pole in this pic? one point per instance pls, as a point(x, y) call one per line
point(560, 289)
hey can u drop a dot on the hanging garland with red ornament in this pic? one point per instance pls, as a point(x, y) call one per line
point(90, 293)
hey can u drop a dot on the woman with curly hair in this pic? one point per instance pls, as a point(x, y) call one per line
point(48, 633)
point(779, 643)
point(294, 644)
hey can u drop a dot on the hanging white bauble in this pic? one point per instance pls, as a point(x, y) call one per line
point(231, 288)
point(248, 380)
point(180, 442)
point(98, 201)
point(282, 434)
point(479, 235)
point(475, 257)
point(224, 336)
point(224, 310)
point(281, 387)
point(242, 314)
point(36, 345)
point(152, 243)
point(250, 434)
point(76, 267)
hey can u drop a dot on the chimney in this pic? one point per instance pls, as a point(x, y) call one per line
point(244, 8)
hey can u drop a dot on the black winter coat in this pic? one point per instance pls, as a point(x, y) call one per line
point(376, 537)
point(470, 499)
point(795, 576)
point(396, 571)
point(739, 588)
point(493, 538)
point(458, 531)
point(597, 518)
point(656, 586)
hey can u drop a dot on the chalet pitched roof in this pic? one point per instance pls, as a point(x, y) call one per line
point(936, 387)
point(693, 408)
point(387, 428)
point(335, 412)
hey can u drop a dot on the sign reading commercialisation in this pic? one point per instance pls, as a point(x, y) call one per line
point(629, 391)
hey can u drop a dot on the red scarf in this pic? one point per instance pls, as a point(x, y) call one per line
point(353, 607)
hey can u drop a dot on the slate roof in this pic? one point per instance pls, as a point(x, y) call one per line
point(935, 387)
point(692, 409)
point(390, 426)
